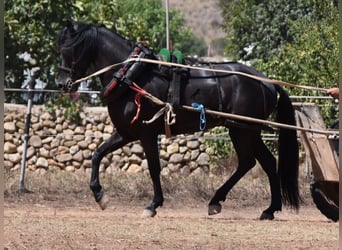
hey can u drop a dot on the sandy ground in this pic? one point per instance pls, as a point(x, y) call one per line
point(56, 225)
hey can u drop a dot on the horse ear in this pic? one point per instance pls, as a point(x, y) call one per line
point(70, 24)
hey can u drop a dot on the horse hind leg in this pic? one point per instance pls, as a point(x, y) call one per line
point(242, 141)
point(114, 142)
point(268, 163)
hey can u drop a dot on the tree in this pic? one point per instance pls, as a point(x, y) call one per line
point(259, 28)
point(294, 41)
point(31, 29)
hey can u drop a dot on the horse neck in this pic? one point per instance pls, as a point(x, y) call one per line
point(112, 49)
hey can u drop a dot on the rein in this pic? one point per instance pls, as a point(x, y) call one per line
point(167, 110)
point(170, 64)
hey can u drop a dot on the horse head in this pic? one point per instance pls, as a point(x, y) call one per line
point(77, 47)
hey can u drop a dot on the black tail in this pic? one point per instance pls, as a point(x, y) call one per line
point(288, 150)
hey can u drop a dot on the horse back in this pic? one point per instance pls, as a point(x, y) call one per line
point(229, 92)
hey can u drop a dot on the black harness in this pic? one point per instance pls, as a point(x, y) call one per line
point(124, 77)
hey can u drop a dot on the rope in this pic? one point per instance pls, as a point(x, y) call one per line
point(99, 72)
point(260, 121)
point(277, 82)
point(203, 121)
point(142, 92)
point(272, 81)
point(240, 117)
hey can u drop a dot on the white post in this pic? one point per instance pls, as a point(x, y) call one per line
point(167, 24)
point(31, 85)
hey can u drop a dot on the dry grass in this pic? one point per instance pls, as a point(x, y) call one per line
point(252, 190)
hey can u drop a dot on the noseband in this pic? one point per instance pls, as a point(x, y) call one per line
point(66, 69)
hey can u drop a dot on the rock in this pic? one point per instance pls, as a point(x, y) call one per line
point(134, 159)
point(64, 157)
point(176, 158)
point(43, 152)
point(137, 149)
point(14, 158)
point(174, 167)
point(108, 129)
point(53, 163)
point(70, 168)
point(49, 124)
point(173, 148)
point(194, 154)
point(59, 128)
point(46, 116)
point(144, 164)
point(92, 146)
point(87, 164)
point(74, 149)
point(42, 162)
point(126, 150)
point(20, 125)
point(55, 143)
point(164, 155)
point(79, 138)
point(86, 154)
point(30, 152)
point(192, 144)
point(134, 169)
point(10, 148)
point(9, 127)
point(69, 144)
point(203, 159)
point(47, 140)
point(100, 127)
point(183, 149)
point(165, 172)
point(83, 144)
point(187, 156)
point(79, 130)
point(78, 156)
point(35, 141)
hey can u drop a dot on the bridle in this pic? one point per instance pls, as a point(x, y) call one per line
point(66, 69)
point(68, 86)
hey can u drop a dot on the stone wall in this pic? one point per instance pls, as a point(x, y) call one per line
point(56, 143)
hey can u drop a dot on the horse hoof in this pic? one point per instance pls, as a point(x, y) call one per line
point(266, 216)
point(148, 213)
point(214, 209)
point(103, 202)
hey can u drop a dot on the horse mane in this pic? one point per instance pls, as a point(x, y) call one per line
point(87, 34)
point(81, 33)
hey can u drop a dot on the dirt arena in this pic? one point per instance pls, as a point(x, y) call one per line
point(32, 221)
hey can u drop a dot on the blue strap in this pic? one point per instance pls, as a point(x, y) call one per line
point(202, 114)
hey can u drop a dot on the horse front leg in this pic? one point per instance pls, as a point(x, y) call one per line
point(114, 142)
point(152, 156)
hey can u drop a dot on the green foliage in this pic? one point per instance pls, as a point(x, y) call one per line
point(33, 26)
point(71, 108)
point(310, 59)
point(219, 148)
point(294, 41)
point(263, 25)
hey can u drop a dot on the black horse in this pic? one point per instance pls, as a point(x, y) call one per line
point(87, 46)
